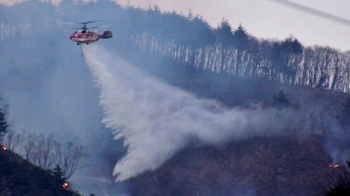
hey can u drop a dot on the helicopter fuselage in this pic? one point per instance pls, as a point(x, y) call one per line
point(82, 36)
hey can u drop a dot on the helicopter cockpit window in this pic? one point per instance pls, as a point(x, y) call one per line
point(83, 31)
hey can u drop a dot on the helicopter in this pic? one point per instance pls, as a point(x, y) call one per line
point(86, 36)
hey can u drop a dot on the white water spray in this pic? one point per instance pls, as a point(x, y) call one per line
point(156, 120)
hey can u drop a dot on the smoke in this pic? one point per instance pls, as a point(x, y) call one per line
point(157, 120)
point(337, 142)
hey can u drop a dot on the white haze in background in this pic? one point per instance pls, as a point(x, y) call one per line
point(54, 2)
point(157, 120)
point(11, 2)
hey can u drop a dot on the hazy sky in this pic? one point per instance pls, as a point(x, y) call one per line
point(262, 18)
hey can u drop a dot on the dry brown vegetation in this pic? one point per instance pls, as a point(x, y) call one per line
point(259, 166)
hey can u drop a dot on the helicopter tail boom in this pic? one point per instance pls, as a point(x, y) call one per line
point(106, 35)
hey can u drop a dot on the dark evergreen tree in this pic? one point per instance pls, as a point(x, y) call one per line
point(283, 52)
point(200, 33)
point(241, 38)
point(4, 125)
point(58, 175)
point(59, 180)
point(291, 46)
point(280, 99)
point(224, 34)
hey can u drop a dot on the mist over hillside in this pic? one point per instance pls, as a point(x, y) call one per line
point(172, 81)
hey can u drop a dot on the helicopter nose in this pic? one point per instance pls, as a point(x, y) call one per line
point(71, 37)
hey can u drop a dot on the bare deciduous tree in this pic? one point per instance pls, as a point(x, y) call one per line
point(29, 148)
point(46, 152)
point(69, 156)
point(13, 140)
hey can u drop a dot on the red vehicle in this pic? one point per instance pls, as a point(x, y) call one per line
point(85, 36)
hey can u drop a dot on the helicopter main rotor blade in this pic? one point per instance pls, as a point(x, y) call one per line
point(103, 26)
point(66, 23)
point(92, 27)
point(313, 11)
point(91, 21)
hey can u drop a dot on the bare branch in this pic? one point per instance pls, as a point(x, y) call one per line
point(70, 157)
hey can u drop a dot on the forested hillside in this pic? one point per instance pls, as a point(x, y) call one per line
point(233, 51)
point(308, 84)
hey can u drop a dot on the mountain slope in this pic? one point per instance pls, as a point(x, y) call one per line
point(19, 177)
point(259, 166)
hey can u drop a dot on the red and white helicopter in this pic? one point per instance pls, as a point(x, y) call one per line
point(85, 36)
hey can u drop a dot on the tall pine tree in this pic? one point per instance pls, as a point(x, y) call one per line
point(4, 125)
point(241, 38)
